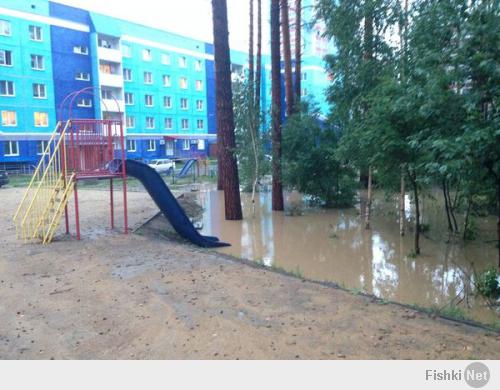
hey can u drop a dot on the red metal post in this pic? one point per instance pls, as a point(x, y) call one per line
point(77, 214)
point(65, 178)
point(111, 203)
point(124, 179)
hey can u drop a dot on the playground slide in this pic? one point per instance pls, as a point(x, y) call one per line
point(185, 169)
point(167, 203)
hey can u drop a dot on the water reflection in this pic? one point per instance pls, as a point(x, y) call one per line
point(333, 245)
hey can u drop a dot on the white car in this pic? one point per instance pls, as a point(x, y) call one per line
point(163, 165)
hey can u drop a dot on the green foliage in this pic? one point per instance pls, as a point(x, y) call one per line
point(426, 103)
point(310, 164)
point(250, 140)
point(487, 283)
point(453, 311)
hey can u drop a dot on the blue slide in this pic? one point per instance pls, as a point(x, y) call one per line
point(171, 209)
point(185, 169)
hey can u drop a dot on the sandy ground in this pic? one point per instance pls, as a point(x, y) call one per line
point(112, 296)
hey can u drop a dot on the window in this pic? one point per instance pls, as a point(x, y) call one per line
point(40, 147)
point(148, 100)
point(148, 78)
point(167, 82)
point(304, 92)
point(169, 148)
point(151, 145)
point(84, 50)
point(104, 43)
point(304, 76)
point(186, 145)
point(129, 98)
point(199, 124)
point(37, 62)
point(84, 102)
point(201, 144)
point(131, 145)
point(11, 148)
point(6, 88)
point(150, 122)
point(41, 119)
point(9, 118)
point(127, 74)
point(199, 85)
point(198, 65)
point(39, 91)
point(184, 124)
point(183, 82)
point(165, 59)
point(199, 105)
point(107, 94)
point(5, 57)
point(35, 33)
point(5, 28)
point(182, 62)
point(105, 68)
point(83, 76)
point(130, 121)
point(168, 124)
point(184, 104)
point(146, 55)
point(167, 101)
point(126, 51)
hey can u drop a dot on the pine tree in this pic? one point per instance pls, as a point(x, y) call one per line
point(225, 117)
point(277, 196)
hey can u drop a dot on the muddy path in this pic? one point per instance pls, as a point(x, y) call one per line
point(112, 296)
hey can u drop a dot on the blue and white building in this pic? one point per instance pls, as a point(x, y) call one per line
point(160, 84)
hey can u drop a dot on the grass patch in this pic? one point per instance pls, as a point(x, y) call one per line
point(19, 180)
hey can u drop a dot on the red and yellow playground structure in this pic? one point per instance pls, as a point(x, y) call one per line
point(78, 149)
point(82, 149)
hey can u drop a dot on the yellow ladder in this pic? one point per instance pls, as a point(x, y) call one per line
point(40, 210)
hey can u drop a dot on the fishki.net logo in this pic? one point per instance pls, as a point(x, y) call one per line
point(476, 375)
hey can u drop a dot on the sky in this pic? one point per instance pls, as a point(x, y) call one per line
point(192, 18)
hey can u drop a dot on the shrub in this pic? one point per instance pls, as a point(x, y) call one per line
point(487, 283)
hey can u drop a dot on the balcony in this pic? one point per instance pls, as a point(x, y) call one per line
point(111, 105)
point(111, 55)
point(111, 80)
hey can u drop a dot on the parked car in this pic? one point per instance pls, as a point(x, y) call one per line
point(4, 178)
point(163, 165)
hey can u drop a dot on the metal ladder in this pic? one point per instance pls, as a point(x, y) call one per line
point(40, 210)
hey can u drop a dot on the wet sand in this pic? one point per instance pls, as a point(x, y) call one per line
point(112, 296)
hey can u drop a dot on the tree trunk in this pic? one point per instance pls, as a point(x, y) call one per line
point(258, 74)
point(250, 55)
point(498, 220)
point(446, 206)
point(368, 208)
point(466, 219)
point(402, 211)
point(368, 33)
point(452, 209)
point(277, 201)
point(287, 54)
point(298, 53)
point(417, 214)
point(453, 219)
point(225, 114)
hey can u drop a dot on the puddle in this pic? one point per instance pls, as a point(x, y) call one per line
point(332, 245)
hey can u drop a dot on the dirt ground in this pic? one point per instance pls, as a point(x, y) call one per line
point(115, 296)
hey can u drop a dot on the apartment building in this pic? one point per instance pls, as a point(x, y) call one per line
point(162, 85)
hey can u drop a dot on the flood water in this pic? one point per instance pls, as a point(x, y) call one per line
point(333, 245)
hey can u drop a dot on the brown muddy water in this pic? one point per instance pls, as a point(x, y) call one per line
point(333, 245)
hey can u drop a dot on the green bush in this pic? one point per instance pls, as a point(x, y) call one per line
point(487, 283)
point(310, 164)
